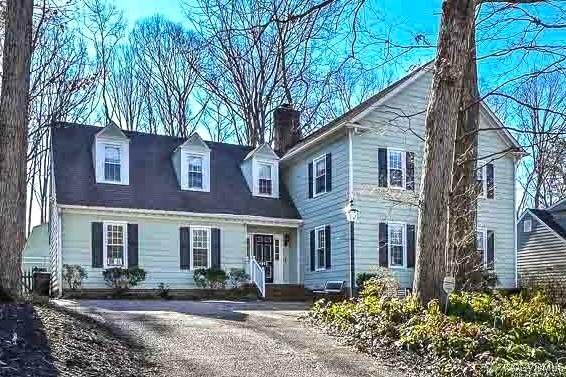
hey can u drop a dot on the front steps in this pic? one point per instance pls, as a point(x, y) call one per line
point(286, 292)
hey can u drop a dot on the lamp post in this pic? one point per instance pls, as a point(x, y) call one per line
point(352, 215)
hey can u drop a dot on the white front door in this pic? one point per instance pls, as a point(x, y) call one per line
point(278, 259)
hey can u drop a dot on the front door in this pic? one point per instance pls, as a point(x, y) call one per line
point(263, 253)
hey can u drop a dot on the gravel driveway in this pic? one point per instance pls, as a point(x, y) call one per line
point(220, 338)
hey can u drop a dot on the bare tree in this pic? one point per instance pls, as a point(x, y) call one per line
point(63, 84)
point(167, 57)
point(259, 57)
point(14, 102)
point(543, 126)
point(126, 89)
point(104, 28)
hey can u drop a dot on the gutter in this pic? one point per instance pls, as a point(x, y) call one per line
point(115, 211)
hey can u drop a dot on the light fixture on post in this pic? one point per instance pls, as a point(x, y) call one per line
point(352, 216)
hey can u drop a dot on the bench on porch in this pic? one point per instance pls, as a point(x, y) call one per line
point(332, 289)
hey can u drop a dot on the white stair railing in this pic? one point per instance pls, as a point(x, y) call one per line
point(257, 275)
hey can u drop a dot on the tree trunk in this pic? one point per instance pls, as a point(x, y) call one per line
point(14, 102)
point(441, 125)
point(465, 259)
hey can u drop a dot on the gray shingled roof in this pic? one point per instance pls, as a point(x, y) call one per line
point(554, 222)
point(153, 183)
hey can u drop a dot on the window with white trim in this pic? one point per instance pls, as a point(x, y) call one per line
point(320, 175)
point(265, 176)
point(481, 178)
point(481, 244)
point(396, 168)
point(200, 248)
point(112, 163)
point(320, 247)
point(195, 172)
point(114, 245)
point(527, 225)
point(397, 244)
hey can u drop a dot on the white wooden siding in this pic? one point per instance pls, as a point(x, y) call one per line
point(158, 248)
point(325, 209)
point(400, 123)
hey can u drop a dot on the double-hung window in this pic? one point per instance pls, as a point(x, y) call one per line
point(396, 173)
point(397, 245)
point(195, 172)
point(481, 244)
point(320, 248)
point(320, 175)
point(200, 248)
point(265, 183)
point(481, 178)
point(115, 244)
point(112, 163)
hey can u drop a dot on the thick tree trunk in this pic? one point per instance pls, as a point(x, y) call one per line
point(465, 260)
point(441, 125)
point(14, 101)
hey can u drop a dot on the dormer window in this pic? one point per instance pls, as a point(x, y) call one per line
point(112, 163)
point(265, 179)
point(195, 172)
point(191, 161)
point(110, 153)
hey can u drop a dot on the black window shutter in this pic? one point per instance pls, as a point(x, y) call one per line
point(133, 249)
point(215, 245)
point(328, 246)
point(97, 245)
point(382, 170)
point(410, 170)
point(328, 172)
point(310, 180)
point(410, 245)
point(490, 249)
point(185, 247)
point(490, 181)
point(312, 250)
point(383, 253)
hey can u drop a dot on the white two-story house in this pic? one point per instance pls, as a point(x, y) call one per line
point(171, 205)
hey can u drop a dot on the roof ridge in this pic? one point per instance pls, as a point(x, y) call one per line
point(76, 125)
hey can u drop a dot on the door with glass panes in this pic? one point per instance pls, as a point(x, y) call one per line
point(263, 253)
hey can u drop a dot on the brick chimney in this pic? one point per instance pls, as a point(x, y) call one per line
point(286, 128)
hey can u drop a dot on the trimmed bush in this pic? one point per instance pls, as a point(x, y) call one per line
point(74, 275)
point(123, 279)
point(237, 277)
point(210, 278)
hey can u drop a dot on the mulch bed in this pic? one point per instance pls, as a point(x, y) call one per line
point(43, 340)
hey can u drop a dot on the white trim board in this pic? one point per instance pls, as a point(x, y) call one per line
point(247, 219)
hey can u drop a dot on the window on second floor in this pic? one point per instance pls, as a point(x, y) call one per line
point(396, 173)
point(195, 172)
point(112, 163)
point(320, 175)
point(265, 177)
